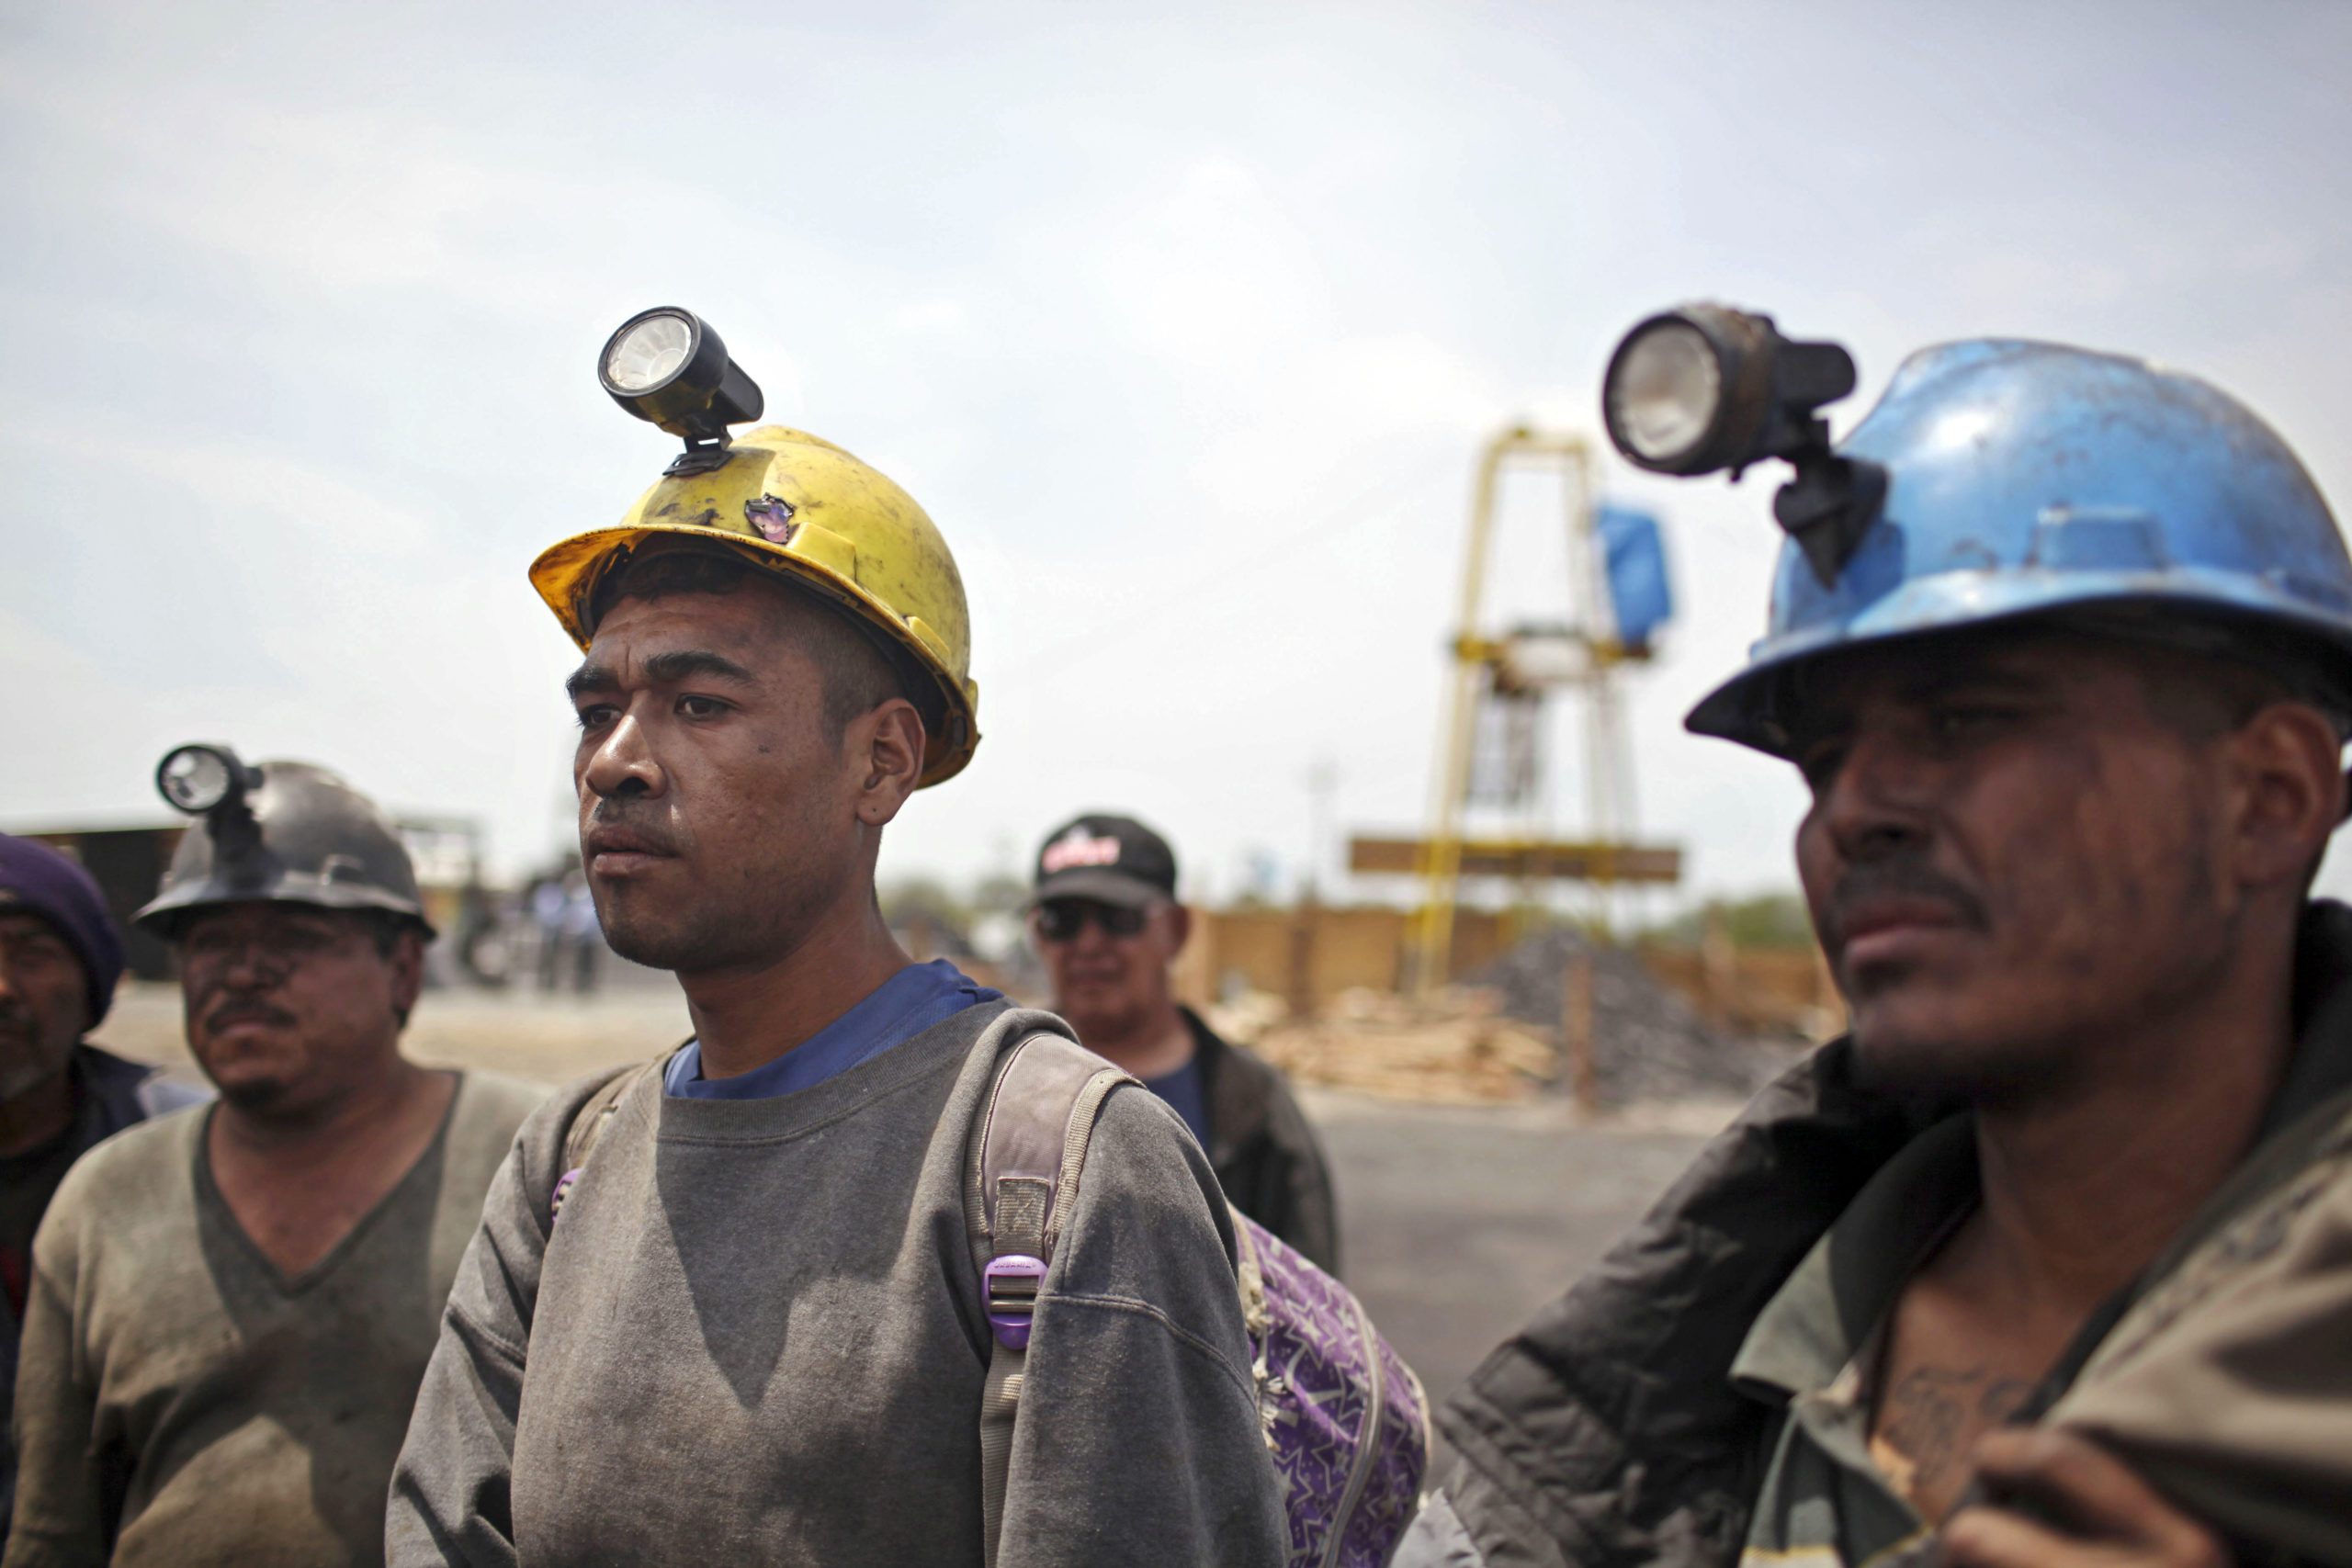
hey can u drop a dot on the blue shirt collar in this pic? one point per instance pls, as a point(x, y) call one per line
point(901, 1008)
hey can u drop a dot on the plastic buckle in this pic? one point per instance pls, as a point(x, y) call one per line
point(562, 1191)
point(1013, 1283)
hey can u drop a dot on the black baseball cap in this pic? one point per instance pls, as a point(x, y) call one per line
point(1113, 860)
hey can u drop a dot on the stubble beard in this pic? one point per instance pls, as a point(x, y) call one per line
point(706, 930)
point(255, 1097)
point(685, 942)
point(1979, 1072)
point(29, 1056)
point(1966, 1045)
point(1120, 1017)
point(22, 1075)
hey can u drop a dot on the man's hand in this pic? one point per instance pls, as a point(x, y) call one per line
point(2112, 1519)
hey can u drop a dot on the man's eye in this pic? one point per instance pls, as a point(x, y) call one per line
point(1821, 764)
point(701, 707)
point(1958, 722)
point(597, 715)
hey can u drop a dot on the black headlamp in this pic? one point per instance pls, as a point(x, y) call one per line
point(212, 783)
point(666, 366)
point(1705, 388)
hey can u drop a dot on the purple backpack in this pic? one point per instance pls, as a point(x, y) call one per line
point(1345, 1419)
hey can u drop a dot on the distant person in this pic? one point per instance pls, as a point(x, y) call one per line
point(581, 931)
point(231, 1310)
point(58, 1095)
point(549, 904)
point(1107, 923)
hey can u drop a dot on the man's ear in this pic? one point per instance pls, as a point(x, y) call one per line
point(1179, 925)
point(887, 742)
point(2287, 767)
point(408, 972)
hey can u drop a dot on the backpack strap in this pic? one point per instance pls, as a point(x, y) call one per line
point(588, 1125)
point(1026, 1151)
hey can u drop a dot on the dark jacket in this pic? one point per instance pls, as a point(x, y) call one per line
point(1607, 1430)
point(1263, 1149)
point(109, 1095)
point(128, 1091)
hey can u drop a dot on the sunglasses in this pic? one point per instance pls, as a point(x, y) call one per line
point(1062, 919)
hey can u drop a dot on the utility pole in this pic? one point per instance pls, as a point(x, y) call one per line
point(1322, 784)
point(1322, 790)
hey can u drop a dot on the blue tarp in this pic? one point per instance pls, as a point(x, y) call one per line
point(1635, 562)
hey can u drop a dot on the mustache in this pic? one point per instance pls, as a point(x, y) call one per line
point(1900, 879)
point(642, 824)
point(245, 1008)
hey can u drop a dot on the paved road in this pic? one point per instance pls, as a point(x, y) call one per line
point(1457, 1224)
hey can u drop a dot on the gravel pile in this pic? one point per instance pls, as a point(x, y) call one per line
point(1648, 1044)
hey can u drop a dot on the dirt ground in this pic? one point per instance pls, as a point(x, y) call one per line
point(1457, 1221)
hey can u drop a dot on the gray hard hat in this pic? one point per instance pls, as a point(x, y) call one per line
point(320, 841)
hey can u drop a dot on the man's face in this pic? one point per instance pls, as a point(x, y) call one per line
point(1108, 964)
point(718, 809)
point(2009, 859)
point(44, 1003)
point(288, 1005)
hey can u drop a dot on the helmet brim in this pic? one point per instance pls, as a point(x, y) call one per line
point(1756, 708)
point(167, 914)
point(567, 575)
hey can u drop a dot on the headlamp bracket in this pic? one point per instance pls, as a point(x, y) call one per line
point(699, 457)
point(1771, 389)
point(236, 832)
point(694, 394)
point(1829, 506)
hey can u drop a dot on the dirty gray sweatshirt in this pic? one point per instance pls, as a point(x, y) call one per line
point(183, 1402)
point(756, 1336)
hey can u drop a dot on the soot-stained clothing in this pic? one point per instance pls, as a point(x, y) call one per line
point(182, 1401)
point(1700, 1397)
point(756, 1336)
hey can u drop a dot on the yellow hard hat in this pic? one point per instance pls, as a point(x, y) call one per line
point(803, 508)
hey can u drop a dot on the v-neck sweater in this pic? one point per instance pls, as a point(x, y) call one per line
point(182, 1400)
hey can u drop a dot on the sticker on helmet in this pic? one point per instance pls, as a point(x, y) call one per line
point(771, 517)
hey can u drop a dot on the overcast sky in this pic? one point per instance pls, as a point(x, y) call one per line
point(1184, 323)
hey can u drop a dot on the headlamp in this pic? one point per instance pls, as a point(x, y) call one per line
point(1703, 388)
point(200, 779)
point(665, 365)
point(211, 782)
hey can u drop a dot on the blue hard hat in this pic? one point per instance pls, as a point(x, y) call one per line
point(2032, 478)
